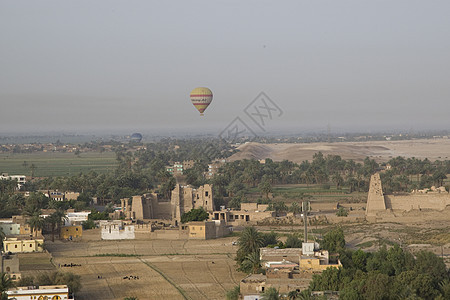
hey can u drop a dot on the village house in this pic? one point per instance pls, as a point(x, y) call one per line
point(48, 292)
point(71, 232)
point(9, 264)
point(205, 230)
point(286, 269)
point(22, 244)
point(116, 230)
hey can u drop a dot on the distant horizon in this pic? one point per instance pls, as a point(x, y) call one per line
point(114, 66)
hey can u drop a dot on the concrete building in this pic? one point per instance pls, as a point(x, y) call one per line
point(286, 254)
point(213, 168)
point(286, 269)
point(71, 232)
point(116, 230)
point(43, 292)
point(249, 214)
point(176, 169)
point(9, 264)
point(188, 164)
point(21, 179)
point(23, 244)
point(205, 230)
point(76, 218)
point(10, 228)
point(202, 230)
point(25, 228)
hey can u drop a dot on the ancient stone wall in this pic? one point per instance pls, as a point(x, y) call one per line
point(418, 201)
point(379, 204)
point(375, 198)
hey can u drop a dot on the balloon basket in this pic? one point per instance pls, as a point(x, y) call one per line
point(201, 115)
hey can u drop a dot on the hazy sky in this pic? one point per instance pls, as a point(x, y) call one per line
point(130, 65)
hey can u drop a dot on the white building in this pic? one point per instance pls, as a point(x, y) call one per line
point(115, 230)
point(76, 218)
point(21, 179)
point(49, 292)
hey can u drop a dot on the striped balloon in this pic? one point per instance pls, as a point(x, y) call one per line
point(201, 97)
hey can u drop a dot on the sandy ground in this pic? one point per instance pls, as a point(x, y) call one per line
point(200, 269)
point(381, 151)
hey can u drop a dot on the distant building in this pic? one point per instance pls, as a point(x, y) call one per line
point(380, 205)
point(116, 230)
point(25, 228)
point(47, 292)
point(9, 264)
point(23, 244)
point(188, 164)
point(205, 230)
point(286, 270)
point(10, 228)
point(176, 169)
point(185, 198)
point(76, 218)
point(213, 168)
point(149, 206)
point(71, 232)
point(250, 213)
point(21, 179)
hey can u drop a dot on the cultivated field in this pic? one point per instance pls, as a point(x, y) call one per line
point(57, 164)
point(167, 269)
point(381, 151)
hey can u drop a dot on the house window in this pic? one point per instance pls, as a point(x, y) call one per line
point(8, 269)
point(206, 193)
point(76, 229)
point(15, 246)
point(31, 245)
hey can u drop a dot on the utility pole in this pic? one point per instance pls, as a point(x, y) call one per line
point(305, 209)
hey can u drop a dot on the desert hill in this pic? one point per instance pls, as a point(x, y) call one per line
point(381, 151)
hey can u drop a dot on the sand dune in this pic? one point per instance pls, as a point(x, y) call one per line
point(381, 151)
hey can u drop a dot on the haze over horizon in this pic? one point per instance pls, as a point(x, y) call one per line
point(111, 66)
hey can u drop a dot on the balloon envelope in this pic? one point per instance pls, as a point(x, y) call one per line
point(136, 137)
point(201, 97)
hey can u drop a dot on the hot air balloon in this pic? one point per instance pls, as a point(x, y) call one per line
point(201, 97)
point(136, 137)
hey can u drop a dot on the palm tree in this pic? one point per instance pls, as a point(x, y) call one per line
point(36, 223)
point(250, 240)
point(252, 263)
point(292, 295)
point(5, 284)
point(234, 293)
point(55, 220)
point(2, 237)
point(33, 169)
point(270, 294)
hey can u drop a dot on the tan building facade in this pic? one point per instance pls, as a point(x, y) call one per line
point(71, 232)
point(23, 244)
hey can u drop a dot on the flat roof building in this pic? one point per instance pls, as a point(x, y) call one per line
point(48, 292)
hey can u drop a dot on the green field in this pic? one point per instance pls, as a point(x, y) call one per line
point(57, 164)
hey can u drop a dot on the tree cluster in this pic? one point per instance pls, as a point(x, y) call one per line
point(386, 274)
